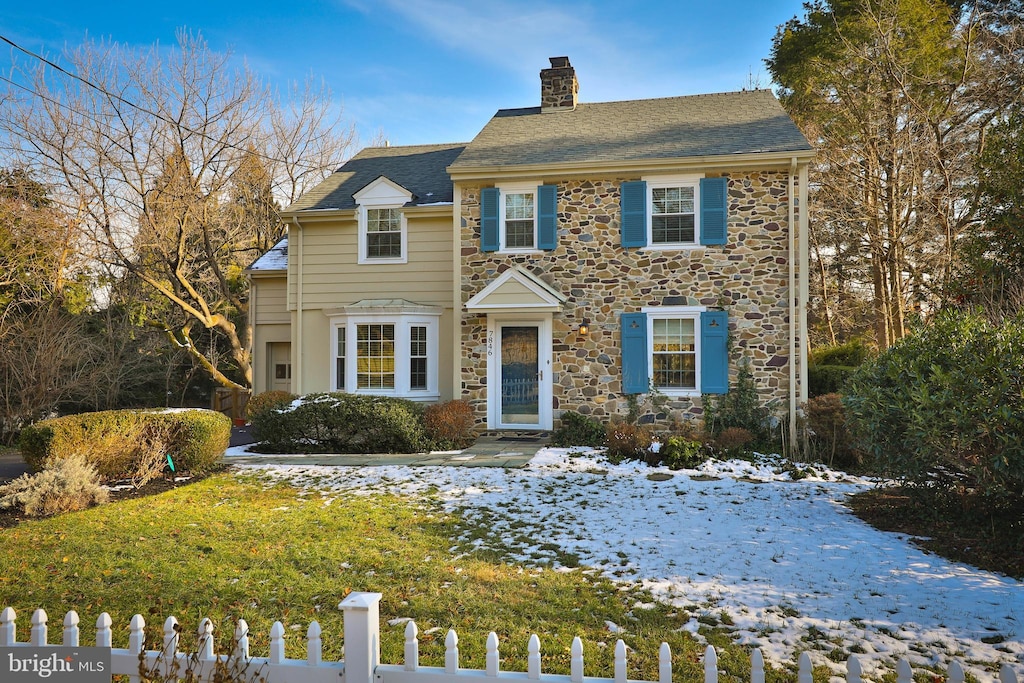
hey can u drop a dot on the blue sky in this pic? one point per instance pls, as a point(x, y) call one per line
point(424, 71)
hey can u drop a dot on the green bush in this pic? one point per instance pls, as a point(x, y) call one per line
point(268, 400)
point(741, 409)
point(578, 430)
point(828, 379)
point(849, 354)
point(64, 485)
point(130, 444)
point(945, 406)
point(679, 452)
point(341, 423)
point(830, 366)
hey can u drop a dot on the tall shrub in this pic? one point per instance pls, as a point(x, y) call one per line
point(945, 406)
point(739, 409)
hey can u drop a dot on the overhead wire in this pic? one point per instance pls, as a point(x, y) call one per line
point(125, 101)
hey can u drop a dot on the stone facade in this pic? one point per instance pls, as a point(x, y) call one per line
point(748, 277)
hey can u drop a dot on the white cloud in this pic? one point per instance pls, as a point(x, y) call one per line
point(614, 59)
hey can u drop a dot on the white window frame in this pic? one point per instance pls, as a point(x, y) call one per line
point(364, 225)
point(663, 182)
point(403, 353)
point(503, 192)
point(674, 313)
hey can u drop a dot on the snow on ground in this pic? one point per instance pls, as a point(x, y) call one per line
point(791, 567)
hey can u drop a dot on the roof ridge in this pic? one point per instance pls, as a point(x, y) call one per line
point(438, 145)
point(659, 99)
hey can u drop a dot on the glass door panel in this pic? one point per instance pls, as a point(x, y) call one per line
point(520, 375)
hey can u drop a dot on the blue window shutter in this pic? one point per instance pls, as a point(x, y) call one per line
point(489, 219)
point(634, 353)
point(634, 213)
point(714, 209)
point(714, 352)
point(547, 217)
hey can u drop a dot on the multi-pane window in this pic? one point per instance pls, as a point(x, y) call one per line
point(375, 356)
point(339, 361)
point(519, 220)
point(383, 233)
point(674, 353)
point(394, 355)
point(418, 357)
point(672, 215)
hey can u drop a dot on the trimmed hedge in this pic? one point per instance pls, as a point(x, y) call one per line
point(268, 400)
point(828, 379)
point(831, 366)
point(341, 423)
point(848, 354)
point(117, 441)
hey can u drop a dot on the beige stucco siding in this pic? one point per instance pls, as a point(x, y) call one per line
point(269, 299)
point(332, 278)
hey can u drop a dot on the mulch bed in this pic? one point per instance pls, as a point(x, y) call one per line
point(957, 529)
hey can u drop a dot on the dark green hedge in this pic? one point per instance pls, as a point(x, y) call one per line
point(945, 406)
point(340, 423)
point(828, 379)
point(194, 438)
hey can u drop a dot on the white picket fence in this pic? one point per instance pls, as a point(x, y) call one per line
point(362, 655)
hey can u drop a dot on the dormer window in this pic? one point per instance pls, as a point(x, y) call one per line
point(382, 223)
point(384, 234)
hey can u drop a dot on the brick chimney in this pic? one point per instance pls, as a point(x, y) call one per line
point(558, 86)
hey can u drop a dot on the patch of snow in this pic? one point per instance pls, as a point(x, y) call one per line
point(782, 560)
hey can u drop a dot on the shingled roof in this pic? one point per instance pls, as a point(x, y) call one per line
point(418, 168)
point(634, 130)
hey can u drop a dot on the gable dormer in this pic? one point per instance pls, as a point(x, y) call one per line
point(383, 227)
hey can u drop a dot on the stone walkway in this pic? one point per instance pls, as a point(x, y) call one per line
point(488, 451)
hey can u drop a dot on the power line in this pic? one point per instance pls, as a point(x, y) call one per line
point(125, 101)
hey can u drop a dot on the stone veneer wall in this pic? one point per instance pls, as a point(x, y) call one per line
point(748, 277)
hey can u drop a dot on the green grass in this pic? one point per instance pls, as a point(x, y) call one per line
point(226, 548)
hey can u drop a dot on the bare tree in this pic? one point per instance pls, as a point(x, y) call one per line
point(898, 96)
point(150, 152)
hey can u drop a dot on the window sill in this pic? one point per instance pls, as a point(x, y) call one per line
point(673, 247)
point(678, 393)
point(382, 261)
point(519, 252)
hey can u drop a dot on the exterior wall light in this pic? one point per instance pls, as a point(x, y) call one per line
point(584, 327)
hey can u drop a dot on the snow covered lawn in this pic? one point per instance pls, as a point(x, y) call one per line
point(782, 561)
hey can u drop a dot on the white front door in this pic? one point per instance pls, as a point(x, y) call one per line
point(519, 372)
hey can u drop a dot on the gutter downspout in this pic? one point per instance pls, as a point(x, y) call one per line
point(805, 284)
point(805, 297)
point(251, 317)
point(297, 353)
point(793, 296)
point(456, 291)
